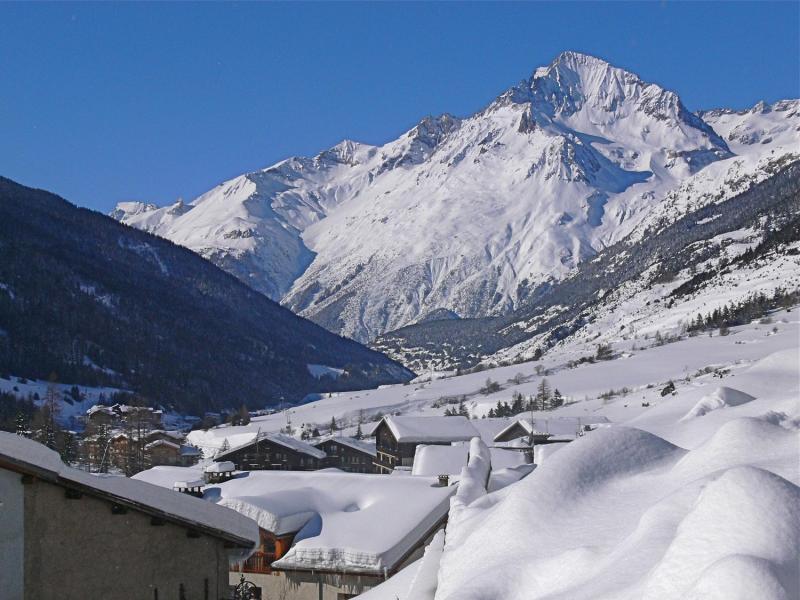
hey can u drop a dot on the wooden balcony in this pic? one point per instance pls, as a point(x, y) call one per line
point(259, 562)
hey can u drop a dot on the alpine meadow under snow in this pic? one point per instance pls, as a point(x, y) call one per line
point(685, 494)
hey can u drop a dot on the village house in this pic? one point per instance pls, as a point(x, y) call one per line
point(327, 535)
point(70, 535)
point(165, 452)
point(98, 417)
point(551, 430)
point(274, 452)
point(348, 454)
point(174, 436)
point(397, 438)
point(121, 415)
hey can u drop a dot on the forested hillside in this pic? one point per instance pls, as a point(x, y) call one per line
point(99, 303)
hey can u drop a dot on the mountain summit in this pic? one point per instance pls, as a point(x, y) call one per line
point(465, 217)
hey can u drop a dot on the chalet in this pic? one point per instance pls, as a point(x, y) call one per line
point(174, 436)
point(348, 454)
point(67, 534)
point(164, 452)
point(397, 438)
point(99, 416)
point(547, 430)
point(357, 529)
point(274, 452)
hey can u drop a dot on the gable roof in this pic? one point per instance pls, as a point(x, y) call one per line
point(156, 443)
point(26, 456)
point(431, 429)
point(552, 427)
point(281, 439)
point(359, 445)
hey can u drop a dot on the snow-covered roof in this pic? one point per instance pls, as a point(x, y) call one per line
point(166, 476)
point(360, 445)
point(224, 466)
point(166, 443)
point(440, 460)
point(282, 439)
point(31, 457)
point(99, 408)
point(430, 429)
point(192, 483)
point(558, 427)
point(344, 521)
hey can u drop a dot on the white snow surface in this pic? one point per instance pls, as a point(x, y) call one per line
point(224, 466)
point(458, 217)
point(431, 429)
point(439, 460)
point(721, 397)
point(319, 371)
point(625, 513)
point(344, 521)
point(651, 505)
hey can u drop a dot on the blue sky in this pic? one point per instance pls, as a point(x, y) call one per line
point(105, 102)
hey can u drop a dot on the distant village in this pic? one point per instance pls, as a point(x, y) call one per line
point(278, 517)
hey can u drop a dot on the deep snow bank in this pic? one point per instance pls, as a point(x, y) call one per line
point(622, 513)
point(721, 397)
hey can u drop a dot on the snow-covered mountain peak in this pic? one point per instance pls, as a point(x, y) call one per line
point(465, 215)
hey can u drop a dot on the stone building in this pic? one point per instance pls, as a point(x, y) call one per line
point(69, 535)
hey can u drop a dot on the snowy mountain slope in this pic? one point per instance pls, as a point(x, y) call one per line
point(643, 273)
point(463, 217)
point(698, 365)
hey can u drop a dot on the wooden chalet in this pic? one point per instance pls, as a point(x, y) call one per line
point(397, 438)
point(165, 452)
point(348, 454)
point(274, 452)
point(549, 430)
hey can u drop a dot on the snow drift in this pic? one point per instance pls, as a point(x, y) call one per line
point(719, 398)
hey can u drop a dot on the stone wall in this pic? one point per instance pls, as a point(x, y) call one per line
point(78, 549)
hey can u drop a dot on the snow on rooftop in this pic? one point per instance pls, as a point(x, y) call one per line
point(157, 443)
point(31, 455)
point(166, 476)
point(192, 483)
point(357, 522)
point(360, 445)
point(439, 460)
point(557, 427)
point(224, 466)
point(284, 440)
point(431, 429)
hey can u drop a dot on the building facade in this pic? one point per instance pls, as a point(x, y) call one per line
point(274, 452)
point(68, 535)
point(348, 454)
